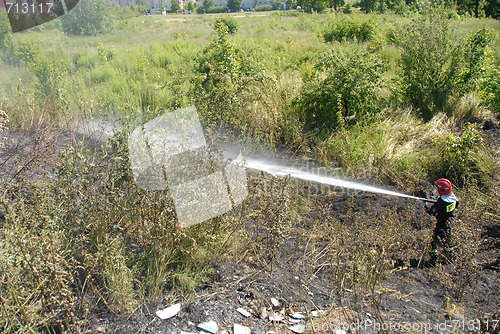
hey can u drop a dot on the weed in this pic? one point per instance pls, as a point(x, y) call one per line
point(430, 64)
point(348, 28)
point(270, 213)
point(99, 234)
point(4, 123)
point(341, 97)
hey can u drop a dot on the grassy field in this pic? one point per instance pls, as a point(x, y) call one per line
point(88, 236)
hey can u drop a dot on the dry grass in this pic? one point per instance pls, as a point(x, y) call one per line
point(4, 123)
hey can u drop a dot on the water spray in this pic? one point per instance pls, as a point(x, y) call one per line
point(280, 170)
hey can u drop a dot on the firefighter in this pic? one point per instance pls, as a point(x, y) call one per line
point(444, 211)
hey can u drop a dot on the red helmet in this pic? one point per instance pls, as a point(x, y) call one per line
point(443, 186)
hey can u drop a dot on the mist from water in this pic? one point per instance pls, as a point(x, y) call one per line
point(106, 129)
point(281, 170)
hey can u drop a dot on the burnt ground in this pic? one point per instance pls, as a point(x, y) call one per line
point(409, 295)
point(299, 277)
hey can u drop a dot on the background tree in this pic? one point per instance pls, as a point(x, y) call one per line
point(206, 4)
point(314, 5)
point(89, 17)
point(492, 9)
point(141, 6)
point(277, 4)
point(472, 7)
point(190, 6)
point(337, 3)
point(175, 8)
point(234, 5)
point(382, 5)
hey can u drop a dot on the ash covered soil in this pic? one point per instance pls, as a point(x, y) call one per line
point(303, 274)
point(300, 278)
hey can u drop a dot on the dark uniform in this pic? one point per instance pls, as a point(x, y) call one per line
point(444, 211)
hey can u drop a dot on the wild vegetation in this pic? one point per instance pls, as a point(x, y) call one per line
point(385, 98)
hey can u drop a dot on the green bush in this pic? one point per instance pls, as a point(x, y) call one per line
point(317, 6)
point(381, 6)
point(175, 8)
point(347, 9)
point(141, 6)
point(430, 63)
point(220, 68)
point(475, 54)
point(27, 52)
point(4, 124)
point(48, 73)
point(5, 35)
point(231, 24)
point(349, 28)
point(346, 91)
point(89, 17)
point(264, 8)
point(234, 5)
point(489, 84)
point(38, 277)
point(205, 6)
point(277, 4)
point(463, 160)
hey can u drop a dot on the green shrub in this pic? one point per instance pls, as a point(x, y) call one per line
point(430, 63)
point(48, 73)
point(463, 159)
point(84, 60)
point(38, 277)
point(175, 8)
point(89, 17)
point(103, 74)
point(345, 93)
point(264, 8)
point(475, 54)
point(393, 35)
point(26, 52)
point(231, 24)
point(141, 6)
point(5, 35)
point(347, 9)
point(277, 4)
point(4, 123)
point(489, 84)
point(220, 67)
point(317, 6)
point(234, 5)
point(205, 6)
point(349, 28)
